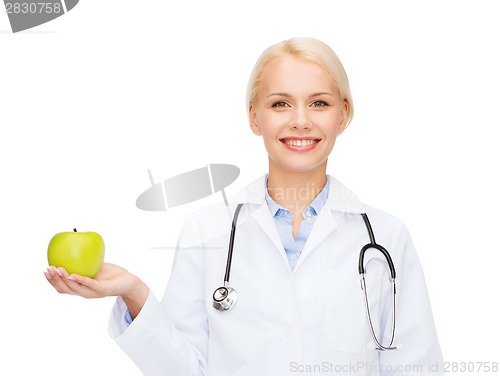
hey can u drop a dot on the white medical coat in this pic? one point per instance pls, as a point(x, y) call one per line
point(311, 321)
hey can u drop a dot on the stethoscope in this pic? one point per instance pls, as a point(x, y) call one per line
point(225, 297)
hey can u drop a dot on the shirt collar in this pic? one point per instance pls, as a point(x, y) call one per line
point(315, 206)
point(339, 197)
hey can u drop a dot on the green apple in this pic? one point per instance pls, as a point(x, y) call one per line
point(77, 252)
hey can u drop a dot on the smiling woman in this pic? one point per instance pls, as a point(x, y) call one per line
point(296, 234)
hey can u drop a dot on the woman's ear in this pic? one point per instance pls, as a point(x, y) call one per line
point(254, 124)
point(343, 121)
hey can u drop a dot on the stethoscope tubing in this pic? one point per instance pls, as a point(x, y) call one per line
point(378, 345)
point(231, 245)
point(361, 269)
point(373, 244)
point(224, 297)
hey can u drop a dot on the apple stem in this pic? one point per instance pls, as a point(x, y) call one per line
point(74, 229)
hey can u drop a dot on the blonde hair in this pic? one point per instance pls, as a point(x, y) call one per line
point(308, 49)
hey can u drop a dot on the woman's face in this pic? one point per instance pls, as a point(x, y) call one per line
point(299, 114)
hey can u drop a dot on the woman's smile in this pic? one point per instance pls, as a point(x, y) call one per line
point(300, 144)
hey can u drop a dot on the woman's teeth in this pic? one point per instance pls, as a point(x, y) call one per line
point(300, 143)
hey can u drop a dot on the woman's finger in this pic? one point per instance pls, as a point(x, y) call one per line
point(55, 277)
point(84, 286)
point(112, 280)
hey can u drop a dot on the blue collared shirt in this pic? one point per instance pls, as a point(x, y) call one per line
point(283, 219)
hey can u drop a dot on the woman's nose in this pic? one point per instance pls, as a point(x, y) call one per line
point(300, 119)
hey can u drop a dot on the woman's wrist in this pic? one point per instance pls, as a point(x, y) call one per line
point(136, 297)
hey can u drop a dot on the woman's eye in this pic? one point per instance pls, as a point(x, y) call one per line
point(280, 104)
point(319, 104)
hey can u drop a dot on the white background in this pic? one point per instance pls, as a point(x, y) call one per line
point(89, 101)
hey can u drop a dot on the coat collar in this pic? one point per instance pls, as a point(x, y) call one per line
point(340, 200)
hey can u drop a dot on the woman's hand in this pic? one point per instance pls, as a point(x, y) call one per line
point(111, 280)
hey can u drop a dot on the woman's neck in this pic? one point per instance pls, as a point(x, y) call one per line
point(295, 190)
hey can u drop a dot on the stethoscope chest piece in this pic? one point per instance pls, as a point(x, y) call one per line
point(224, 298)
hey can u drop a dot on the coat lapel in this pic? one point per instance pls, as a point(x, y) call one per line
point(265, 220)
point(324, 225)
point(340, 200)
point(254, 195)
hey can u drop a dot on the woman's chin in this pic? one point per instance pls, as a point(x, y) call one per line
point(298, 167)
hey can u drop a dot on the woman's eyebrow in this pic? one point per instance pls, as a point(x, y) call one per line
point(279, 94)
point(322, 93)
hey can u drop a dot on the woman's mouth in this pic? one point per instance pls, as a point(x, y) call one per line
point(300, 144)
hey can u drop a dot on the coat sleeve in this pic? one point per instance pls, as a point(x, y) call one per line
point(170, 337)
point(418, 351)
